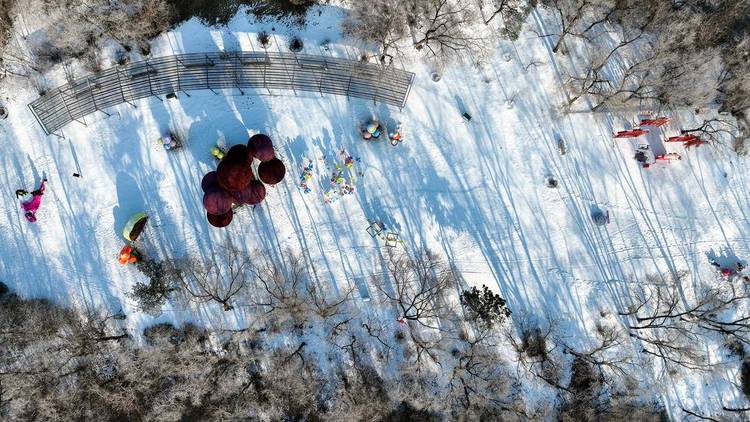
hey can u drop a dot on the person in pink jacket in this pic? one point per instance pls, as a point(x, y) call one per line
point(32, 205)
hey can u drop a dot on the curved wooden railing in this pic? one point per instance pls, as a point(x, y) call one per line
point(241, 70)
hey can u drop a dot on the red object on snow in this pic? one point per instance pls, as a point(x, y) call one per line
point(682, 138)
point(234, 175)
point(669, 156)
point(209, 182)
point(661, 121)
point(261, 147)
point(253, 194)
point(221, 220)
point(694, 143)
point(238, 152)
point(631, 133)
point(271, 172)
point(217, 201)
point(728, 272)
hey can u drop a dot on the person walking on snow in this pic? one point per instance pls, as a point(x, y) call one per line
point(32, 205)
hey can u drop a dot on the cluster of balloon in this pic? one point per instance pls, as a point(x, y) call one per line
point(233, 182)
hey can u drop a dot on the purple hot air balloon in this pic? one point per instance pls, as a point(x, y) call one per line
point(272, 171)
point(253, 194)
point(217, 201)
point(261, 147)
point(221, 220)
point(238, 152)
point(209, 181)
point(234, 175)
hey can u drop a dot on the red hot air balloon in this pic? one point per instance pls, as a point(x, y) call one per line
point(234, 175)
point(221, 220)
point(253, 194)
point(261, 147)
point(217, 201)
point(209, 181)
point(238, 152)
point(272, 171)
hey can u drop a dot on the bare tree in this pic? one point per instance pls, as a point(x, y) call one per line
point(640, 53)
point(598, 372)
point(46, 349)
point(536, 348)
point(218, 279)
point(735, 82)
point(443, 29)
point(382, 22)
point(80, 30)
point(417, 286)
point(570, 13)
point(716, 130)
point(672, 331)
point(480, 383)
point(511, 13)
point(284, 287)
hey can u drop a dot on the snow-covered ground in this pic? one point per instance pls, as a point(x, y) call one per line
point(472, 191)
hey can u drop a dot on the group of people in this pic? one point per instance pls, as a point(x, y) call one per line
point(728, 270)
point(372, 130)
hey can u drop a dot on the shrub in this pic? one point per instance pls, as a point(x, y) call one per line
point(533, 343)
point(745, 377)
point(585, 386)
point(264, 39)
point(164, 279)
point(296, 45)
point(484, 306)
point(407, 412)
point(165, 333)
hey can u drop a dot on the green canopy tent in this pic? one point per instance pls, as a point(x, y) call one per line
point(134, 226)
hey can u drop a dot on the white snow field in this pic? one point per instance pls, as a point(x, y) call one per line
point(472, 191)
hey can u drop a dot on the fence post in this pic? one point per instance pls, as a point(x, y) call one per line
point(93, 99)
point(82, 121)
point(150, 87)
point(268, 59)
point(295, 67)
point(122, 92)
point(180, 65)
point(237, 63)
point(320, 79)
point(377, 88)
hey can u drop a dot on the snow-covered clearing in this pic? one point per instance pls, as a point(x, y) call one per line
point(473, 191)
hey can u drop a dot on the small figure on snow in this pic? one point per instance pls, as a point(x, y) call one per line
point(31, 205)
point(395, 136)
